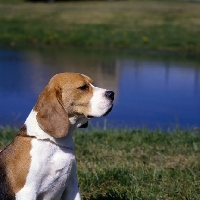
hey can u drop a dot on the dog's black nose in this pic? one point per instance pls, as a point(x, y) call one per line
point(110, 95)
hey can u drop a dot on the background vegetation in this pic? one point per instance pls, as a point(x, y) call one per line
point(135, 164)
point(147, 24)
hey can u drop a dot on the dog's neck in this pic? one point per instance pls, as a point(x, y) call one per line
point(33, 129)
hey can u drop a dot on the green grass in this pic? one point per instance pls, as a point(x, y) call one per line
point(136, 164)
point(147, 24)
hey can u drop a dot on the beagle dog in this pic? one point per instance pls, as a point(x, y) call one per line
point(40, 163)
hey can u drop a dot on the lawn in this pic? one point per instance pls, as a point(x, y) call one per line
point(148, 24)
point(135, 164)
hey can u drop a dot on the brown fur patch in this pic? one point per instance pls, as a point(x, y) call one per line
point(6, 192)
point(23, 131)
point(15, 159)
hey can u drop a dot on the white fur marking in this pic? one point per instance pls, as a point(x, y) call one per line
point(99, 103)
point(52, 167)
point(33, 129)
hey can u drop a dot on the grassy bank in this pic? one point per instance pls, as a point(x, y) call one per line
point(148, 24)
point(135, 164)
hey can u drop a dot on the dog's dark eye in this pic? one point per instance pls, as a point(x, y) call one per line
point(84, 87)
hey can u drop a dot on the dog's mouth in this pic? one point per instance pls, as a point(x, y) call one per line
point(90, 116)
point(108, 111)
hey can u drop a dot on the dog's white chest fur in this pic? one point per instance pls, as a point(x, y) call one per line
point(51, 166)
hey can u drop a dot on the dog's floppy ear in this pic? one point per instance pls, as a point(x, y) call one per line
point(51, 116)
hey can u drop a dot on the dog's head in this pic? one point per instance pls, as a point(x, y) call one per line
point(70, 99)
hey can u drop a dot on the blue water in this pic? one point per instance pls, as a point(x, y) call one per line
point(151, 91)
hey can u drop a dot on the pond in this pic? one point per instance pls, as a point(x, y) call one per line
point(153, 91)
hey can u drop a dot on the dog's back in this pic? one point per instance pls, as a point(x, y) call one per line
point(13, 168)
point(5, 190)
